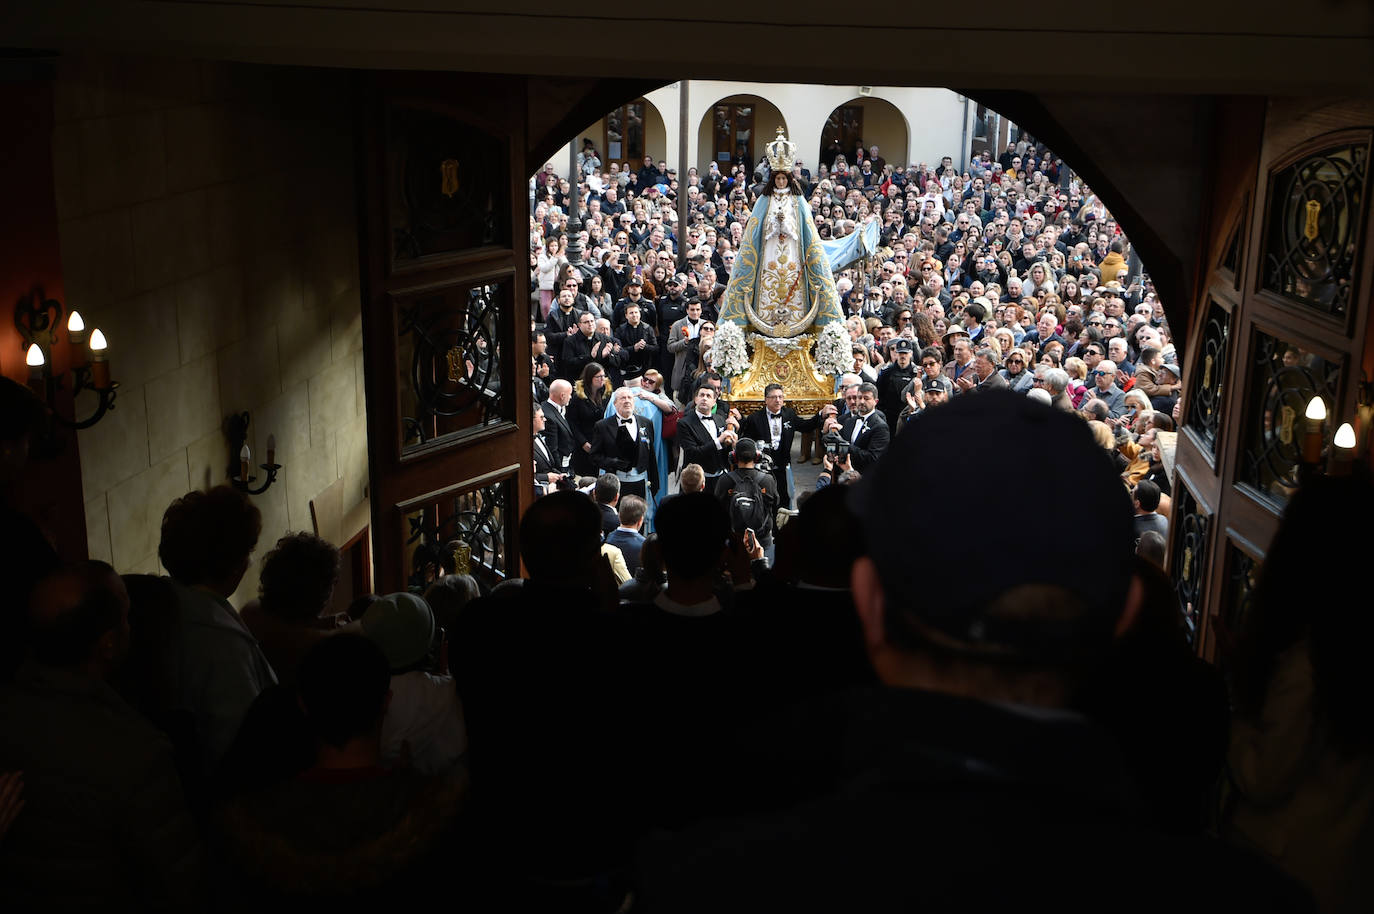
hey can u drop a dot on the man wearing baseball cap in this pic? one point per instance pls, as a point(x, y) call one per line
point(965, 781)
point(894, 378)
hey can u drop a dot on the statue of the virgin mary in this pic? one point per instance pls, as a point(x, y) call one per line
point(781, 284)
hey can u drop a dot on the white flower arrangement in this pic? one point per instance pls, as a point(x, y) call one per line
point(834, 352)
point(729, 355)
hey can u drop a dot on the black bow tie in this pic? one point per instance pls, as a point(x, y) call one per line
point(627, 422)
point(775, 415)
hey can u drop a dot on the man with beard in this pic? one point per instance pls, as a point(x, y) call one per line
point(638, 344)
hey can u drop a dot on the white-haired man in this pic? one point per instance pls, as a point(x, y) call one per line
point(623, 444)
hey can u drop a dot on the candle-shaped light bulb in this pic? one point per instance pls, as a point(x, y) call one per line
point(245, 458)
point(35, 360)
point(1312, 438)
point(271, 449)
point(1345, 437)
point(100, 360)
point(76, 327)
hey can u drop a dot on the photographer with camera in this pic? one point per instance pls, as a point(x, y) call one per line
point(865, 430)
point(750, 496)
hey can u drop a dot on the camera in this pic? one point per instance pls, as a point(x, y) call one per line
point(835, 445)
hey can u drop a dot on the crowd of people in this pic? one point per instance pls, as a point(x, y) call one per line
point(1010, 273)
point(952, 676)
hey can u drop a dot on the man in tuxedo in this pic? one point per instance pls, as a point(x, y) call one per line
point(546, 475)
point(865, 429)
point(558, 434)
point(706, 435)
point(623, 445)
point(773, 427)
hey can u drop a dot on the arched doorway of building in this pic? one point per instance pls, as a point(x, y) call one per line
point(629, 132)
point(865, 121)
point(735, 129)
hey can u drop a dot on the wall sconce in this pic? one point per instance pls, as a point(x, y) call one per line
point(37, 319)
point(241, 456)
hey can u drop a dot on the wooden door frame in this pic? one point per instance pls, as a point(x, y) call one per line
point(400, 480)
point(1240, 522)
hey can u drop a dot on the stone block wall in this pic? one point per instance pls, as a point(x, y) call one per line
point(208, 226)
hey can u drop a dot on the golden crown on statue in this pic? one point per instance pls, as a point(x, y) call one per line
point(782, 152)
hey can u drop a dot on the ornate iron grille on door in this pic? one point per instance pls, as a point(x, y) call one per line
point(454, 365)
point(1283, 379)
point(1315, 208)
point(1189, 554)
point(1205, 400)
point(472, 524)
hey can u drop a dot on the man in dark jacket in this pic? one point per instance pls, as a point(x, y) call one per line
point(104, 823)
point(893, 379)
point(965, 780)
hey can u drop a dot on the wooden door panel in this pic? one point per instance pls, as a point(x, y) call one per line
point(444, 224)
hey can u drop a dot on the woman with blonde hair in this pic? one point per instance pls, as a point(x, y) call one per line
point(1078, 377)
point(549, 261)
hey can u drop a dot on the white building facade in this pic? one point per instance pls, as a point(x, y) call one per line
point(725, 119)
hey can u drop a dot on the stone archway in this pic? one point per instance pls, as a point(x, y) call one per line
point(734, 124)
point(872, 120)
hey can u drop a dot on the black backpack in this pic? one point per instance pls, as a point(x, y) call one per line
point(746, 502)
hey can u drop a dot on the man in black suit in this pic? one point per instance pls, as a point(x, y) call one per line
point(623, 445)
point(546, 468)
point(559, 325)
point(638, 343)
point(706, 435)
point(773, 427)
point(865, 429)
point(558, 433)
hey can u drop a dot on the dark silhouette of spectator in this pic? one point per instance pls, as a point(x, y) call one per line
point(544, 674)
point(217, 667)
point(25, 551)
point(692, 645)
point(104, 824)
point(345, 832)
point(297, 582)
point(968, 760)
point(1166, 707)
point(1301, 760)
point(648, 577)
point(815, 641)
